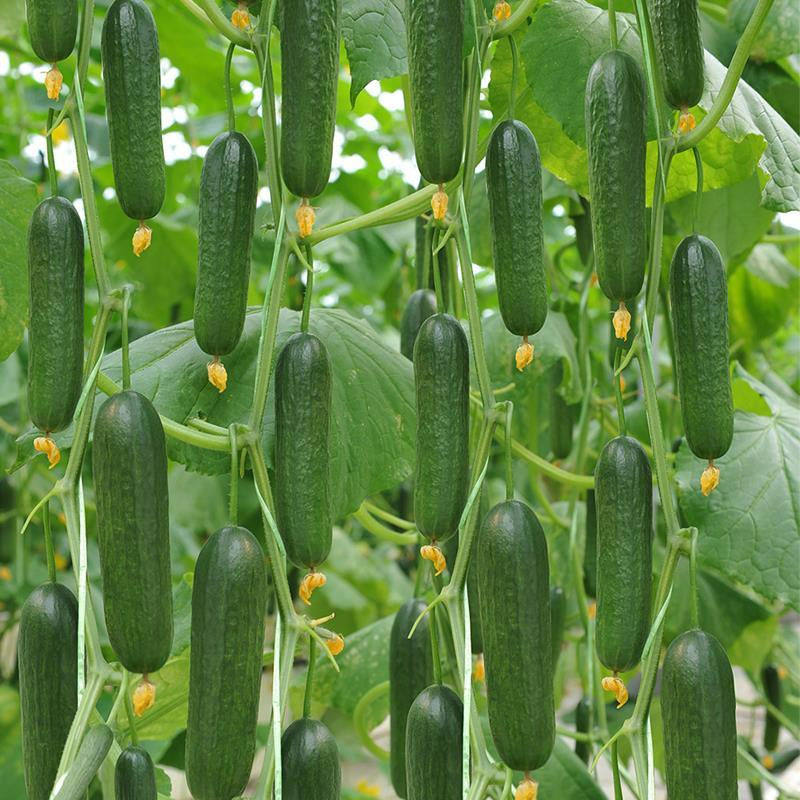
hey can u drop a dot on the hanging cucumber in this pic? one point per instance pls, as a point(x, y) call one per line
point(616, 110)
point(310, 762)
point(699, 300)
point(561, 415)
point(421, 305)
point(771, 680)
point(134, 775)
point(227, 208)
point(590, 548)
point(514, 185)
point(583, 724)
point(581, 216)
point(132, 77)
point(229, 599)
point(558, 621)
point(52, 28)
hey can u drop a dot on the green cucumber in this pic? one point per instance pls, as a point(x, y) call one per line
point(699, 300)
point(433, 745)
point(134, 775)
point(514, 186)
point(421, 305)
point(302, 449)
point(93, 750)
point(410, 671)
point(130, 482)
point(679, 50)
point(435, 38)
point(227, 207)
point(132, 77)
point(441, 374)
point(698, 705)
point(55, 286)
point(623, 492)
point(561, 415)
point(229, 599)
point(590, 548)
point(310, 762)
point(581, 216)
point(616, 110)
point(309, 80)
point(513, 584)
point(774, 694)
point(558, 621)
point(583, 724)
point(52, 27)
point(48, 682)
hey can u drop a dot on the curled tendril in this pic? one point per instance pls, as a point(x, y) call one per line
point(527, 790)
point(305, 217)
point(479, 670)
point(439, 203)
point(144, 696)
point(432, 553)
point(709, 480)
point(335, 645)
point(53, 82)
point(622, 322)
point(614, 684)
point(141, 239)
point(686, 122)
point(46, 445)
point(313, 580)
point(217, 375)
point(524, 355)
point(502, 11)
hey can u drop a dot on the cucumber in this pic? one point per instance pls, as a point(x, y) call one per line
point(435, 38)
point(623, 493)
point(134, 776)
point(229, 599)
point(132, 77)
point(581, 216)
point(773, 692)
point(309, 79)
point(90, 756)
point(441, 374)
point(55, 287)
point(558, 621)
point(561, 415)
point(590, 548)
point(227, 207)
point(583, 724)
point(513, 584)
point(48, 682)
point(310, 762)
point(410, 671)
point(421, 305)
point(679, 50)
point(699, 712)
point(8, 521)
point(433, 745)
point(616, 109)
point(130, 480)
point(514, 187)
point(52, 27)
point(302, 449)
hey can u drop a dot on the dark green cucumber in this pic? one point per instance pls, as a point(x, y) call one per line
point(132, 77)
point(421, 305)
point(773, 692)
point(581, 216)
point(52, 27)
point(410, 671)
point(130, 484)
point(433, 745)
point(55, 291)
point(310, 762)
point(514, 186)
point(616, 109)
point(48, 682)
point(679, 50)
point(435, 38)
point(699, 299)
point(561, 415)
point(134, 776)
point(227, 206)
point(475, 630)
point(302, 449)
point(229, 599)
point(90, 756)
point(558, 621)
point(8, 521)
point(309, 79)
point(623, 491)
point(590, 548)
point(441, 374)
point(699, 710)
point(623, 345)
point(513, 584)
point(583, 724)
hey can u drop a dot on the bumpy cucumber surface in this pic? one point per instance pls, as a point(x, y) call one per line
point(134, 776)
point(513, 584)
point(52, 27)
point(421, 305)
point(227, 207)
point(623, 501)
point(130, 479)
point(310, 762)
point(132, 77)
point(302, 449)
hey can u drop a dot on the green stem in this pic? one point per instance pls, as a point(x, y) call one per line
point(126, 355)
point(437, 661)
point(309, 288)
point(398, 522)
point(693, 581)
point(698, 163)
point(612, 29)
point(85, 41)
point(618, 394)
point(369, 523)
point(312, 645)
point(228, 89)
point(657, 233)
point(131, 717)
point(376, 693)
point(48, 543)
point(119, 701)
point(438, 278)
point(51, 159)
point(512, 95)
point(509, 409)
point(614, 747)
point(233, 495)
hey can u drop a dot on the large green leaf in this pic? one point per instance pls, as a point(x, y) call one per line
point(565, 776)
point(778, 35)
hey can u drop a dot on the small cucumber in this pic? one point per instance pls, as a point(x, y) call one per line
point(52, 27)
point(421, 305)
point(583, 724)
point(590, 549)
point(310, 762)
point(774, 694)
point(581, 216)
point(134, 776)
point(93, 750)
point(558, 621)
point(561, 415)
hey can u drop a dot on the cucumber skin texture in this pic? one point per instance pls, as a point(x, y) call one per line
point(420, 306)
point(590, 549)
point(699, 299)
point(53, 28)
point(130, 478)
point(583, 716)
point(558, 619)
point(302, 449)
point(773, 691)
point(433, 745)
point(623, 494)
point(91, 754)
point(513, 584)
point(435, 38)
point(228, 605)
point(310, 762)
point(679, 50)
point(55, 291)
point(134, 775)
point(309, 80)
point(616, 108)
point(48, 682)
point(132, 77)
point(514, 187)
point(699, 711)
point(441, 375)
point(410, 672)
point(227, 206)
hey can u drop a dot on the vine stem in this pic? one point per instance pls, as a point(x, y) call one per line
point(48, 543)
point(51, 159)
point(377, 529)
point(615, 747)
point(309, 288)
point(126, 355)
point(618, 394)
point(612, 25)
point(233, 495)
point(228, 89)
point(312, 646)
point(377, 692)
